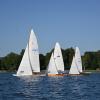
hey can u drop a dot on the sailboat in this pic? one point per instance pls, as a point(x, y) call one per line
point(79, 62)
point(74, 69)
point(78, 59)
point(30, 61)
point(52, 69)
point(56, 65)
point(58, 58)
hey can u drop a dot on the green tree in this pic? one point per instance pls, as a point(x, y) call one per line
point(10, 62)
point(42, 62)
point(67, 57)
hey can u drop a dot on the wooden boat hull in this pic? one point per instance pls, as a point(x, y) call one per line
point(52, 75)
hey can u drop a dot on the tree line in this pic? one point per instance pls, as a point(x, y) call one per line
point(90, 60)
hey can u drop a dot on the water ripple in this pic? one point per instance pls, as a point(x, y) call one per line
point(50, 88)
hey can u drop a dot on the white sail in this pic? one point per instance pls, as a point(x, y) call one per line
point(78, 59)
point(52, 67)
point(24, 68)
point(74, 69)
point(34, 52)
point(58, 58)
point(30, 60)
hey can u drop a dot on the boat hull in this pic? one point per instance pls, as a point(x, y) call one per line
point(55, 75)
point(74, 75)
point(33, 74)
point(82, 73)
point(85, 73)
point(20, 75)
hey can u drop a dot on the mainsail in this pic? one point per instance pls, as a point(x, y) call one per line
point(74, 69)
point(78, 59)
point(30, 60)
point(34, 52)
point(52, 69)
point(58, 58)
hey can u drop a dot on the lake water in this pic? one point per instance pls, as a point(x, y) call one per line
point(50, 88)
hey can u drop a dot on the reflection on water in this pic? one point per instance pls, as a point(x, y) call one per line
point(50, 88)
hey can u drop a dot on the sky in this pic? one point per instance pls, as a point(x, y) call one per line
point(69, 22)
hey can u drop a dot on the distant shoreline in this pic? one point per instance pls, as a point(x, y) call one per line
point(92, 70)
point(44, 71)
point(6, 71)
